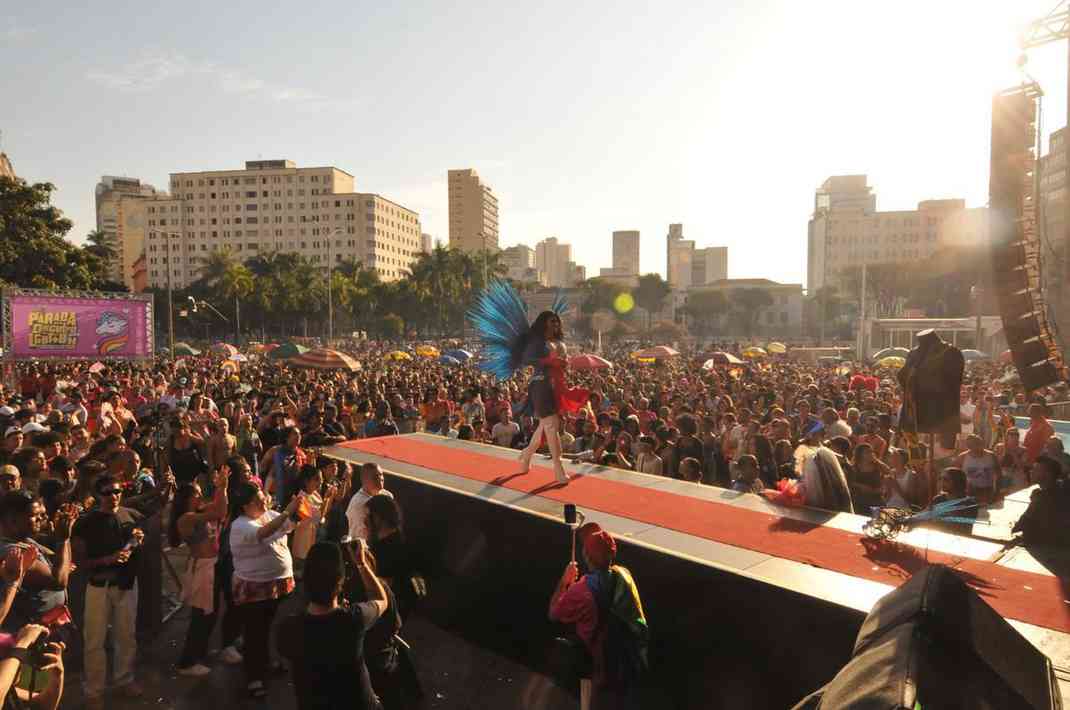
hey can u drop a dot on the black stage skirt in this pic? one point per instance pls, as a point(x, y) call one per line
point(541, 398)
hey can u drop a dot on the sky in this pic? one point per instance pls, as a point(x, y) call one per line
point(584, 117)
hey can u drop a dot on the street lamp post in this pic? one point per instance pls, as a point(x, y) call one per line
point(330, 278)
point(170, 302)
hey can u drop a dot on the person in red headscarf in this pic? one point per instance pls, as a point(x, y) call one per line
point(605, 607)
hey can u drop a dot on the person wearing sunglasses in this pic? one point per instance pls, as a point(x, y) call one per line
point(106, 543)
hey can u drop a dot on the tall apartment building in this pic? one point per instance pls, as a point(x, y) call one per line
point(275, 206)
point(709, 265)
point(121, 217)
point(427, 244)
point(1054, 228)
point(678, 258)
point(554, 261)
point(473, 212)
point(846, 230)
point(6, 168)
point(520, 262)
point(626, 252)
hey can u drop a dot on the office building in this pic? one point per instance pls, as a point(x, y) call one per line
point(782, 318)
point(275, 206)
point(473, 212)
point(6, 168)
point(553, 260)
point(678, 259)
point(709, 265)
point(120, 205)
point(846, 230)
point(626, 252)
point(427, 244)
point(520, 262)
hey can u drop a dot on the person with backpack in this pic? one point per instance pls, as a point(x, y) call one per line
point(607, 612)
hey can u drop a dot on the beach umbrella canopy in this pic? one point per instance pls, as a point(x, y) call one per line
point(238, 357)
point(287, 351)
point(970, 355)
point(892, 362)
point(324, 359)
point(269, 347)
point(659, 352)
point(890, 352)
point(447, 360)
point(589, 362)
point(721, 358)
point(185, 349)
point(224, 349)
point(399, 355)
point(777, 348)
point(462, 355)
point(427, 351)
point(754, 351)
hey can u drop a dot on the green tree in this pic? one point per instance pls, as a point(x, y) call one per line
point(100, 246)
point(706, 307)
point(33, 251)
point(650, 295)
point(391, 327)
point(749, 303)
point(236, 283)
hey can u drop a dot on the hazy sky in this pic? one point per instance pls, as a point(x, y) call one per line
point(583, 117)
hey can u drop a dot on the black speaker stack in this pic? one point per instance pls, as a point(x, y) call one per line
point(1015, 247)
point(934, 644)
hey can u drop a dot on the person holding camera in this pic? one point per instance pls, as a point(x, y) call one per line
point(325, 643)
point(263, 574)
point(106, 542)
point(30, 646)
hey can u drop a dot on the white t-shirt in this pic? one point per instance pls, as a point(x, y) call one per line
point(355, 513)
point(967, 410)
point(503, 433)
point(260, 560)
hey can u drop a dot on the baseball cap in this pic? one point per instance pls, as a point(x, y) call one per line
point(12, 430)
point(33, 428)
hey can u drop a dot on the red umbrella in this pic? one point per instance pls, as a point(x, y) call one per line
point(324, 359)
point(589, 362)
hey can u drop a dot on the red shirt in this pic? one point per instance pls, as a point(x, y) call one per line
point(1035, 438)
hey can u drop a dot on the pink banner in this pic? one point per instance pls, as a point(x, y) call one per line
point(58, 326)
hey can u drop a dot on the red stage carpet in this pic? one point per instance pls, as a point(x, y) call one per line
point(1024, 596)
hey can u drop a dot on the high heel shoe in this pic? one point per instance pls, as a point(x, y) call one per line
point(560, 474)
point(525, 462)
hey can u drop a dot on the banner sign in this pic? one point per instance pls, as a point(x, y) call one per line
point(45, 325)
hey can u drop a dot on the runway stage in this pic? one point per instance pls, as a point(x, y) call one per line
point(722, 550)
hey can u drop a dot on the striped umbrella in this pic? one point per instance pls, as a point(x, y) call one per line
point(287, 351)
point(589, 362)
point(224, 349)
point(324, 359)
point(656, 353)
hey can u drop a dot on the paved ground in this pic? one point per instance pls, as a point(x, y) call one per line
point(457, 675)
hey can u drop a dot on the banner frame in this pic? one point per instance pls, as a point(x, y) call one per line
point(6, 320)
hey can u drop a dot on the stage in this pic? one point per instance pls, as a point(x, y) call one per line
point(793, 585)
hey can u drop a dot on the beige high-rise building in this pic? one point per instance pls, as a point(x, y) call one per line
point(6, 168)
point(626, 252)
point(709, 265)
point(427, 244)
point(120, 203)
point(519, 260)
point(846, 230)
point(275, 206)
point(554, 260)
point(473, 212)
point(680, 254)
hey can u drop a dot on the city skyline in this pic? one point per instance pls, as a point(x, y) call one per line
point(690, 116)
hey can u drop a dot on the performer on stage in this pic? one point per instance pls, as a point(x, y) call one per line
point(509, 344)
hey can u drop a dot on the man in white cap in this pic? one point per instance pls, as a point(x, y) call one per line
point(12, 441)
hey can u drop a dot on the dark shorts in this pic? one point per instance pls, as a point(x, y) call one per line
point(541, 397)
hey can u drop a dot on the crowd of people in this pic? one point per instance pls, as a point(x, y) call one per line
point(230, 457)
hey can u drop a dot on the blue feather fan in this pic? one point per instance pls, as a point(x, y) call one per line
point(501, 319)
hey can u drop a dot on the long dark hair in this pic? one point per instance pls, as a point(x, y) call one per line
point(536, 331)
point(179, 507)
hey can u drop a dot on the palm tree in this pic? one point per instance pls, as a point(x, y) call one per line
point(101, 246)
point(237, 283)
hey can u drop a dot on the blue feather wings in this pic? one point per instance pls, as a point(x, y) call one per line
point(500, 318)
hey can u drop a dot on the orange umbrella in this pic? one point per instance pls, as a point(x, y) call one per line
point(324, 359)
point(589, 362)
point(721, 358)
point(657, 353)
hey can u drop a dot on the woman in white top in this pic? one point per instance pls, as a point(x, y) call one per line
point(263, 574)
point(901, 485)
point(982, 469)
point(312, 512)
